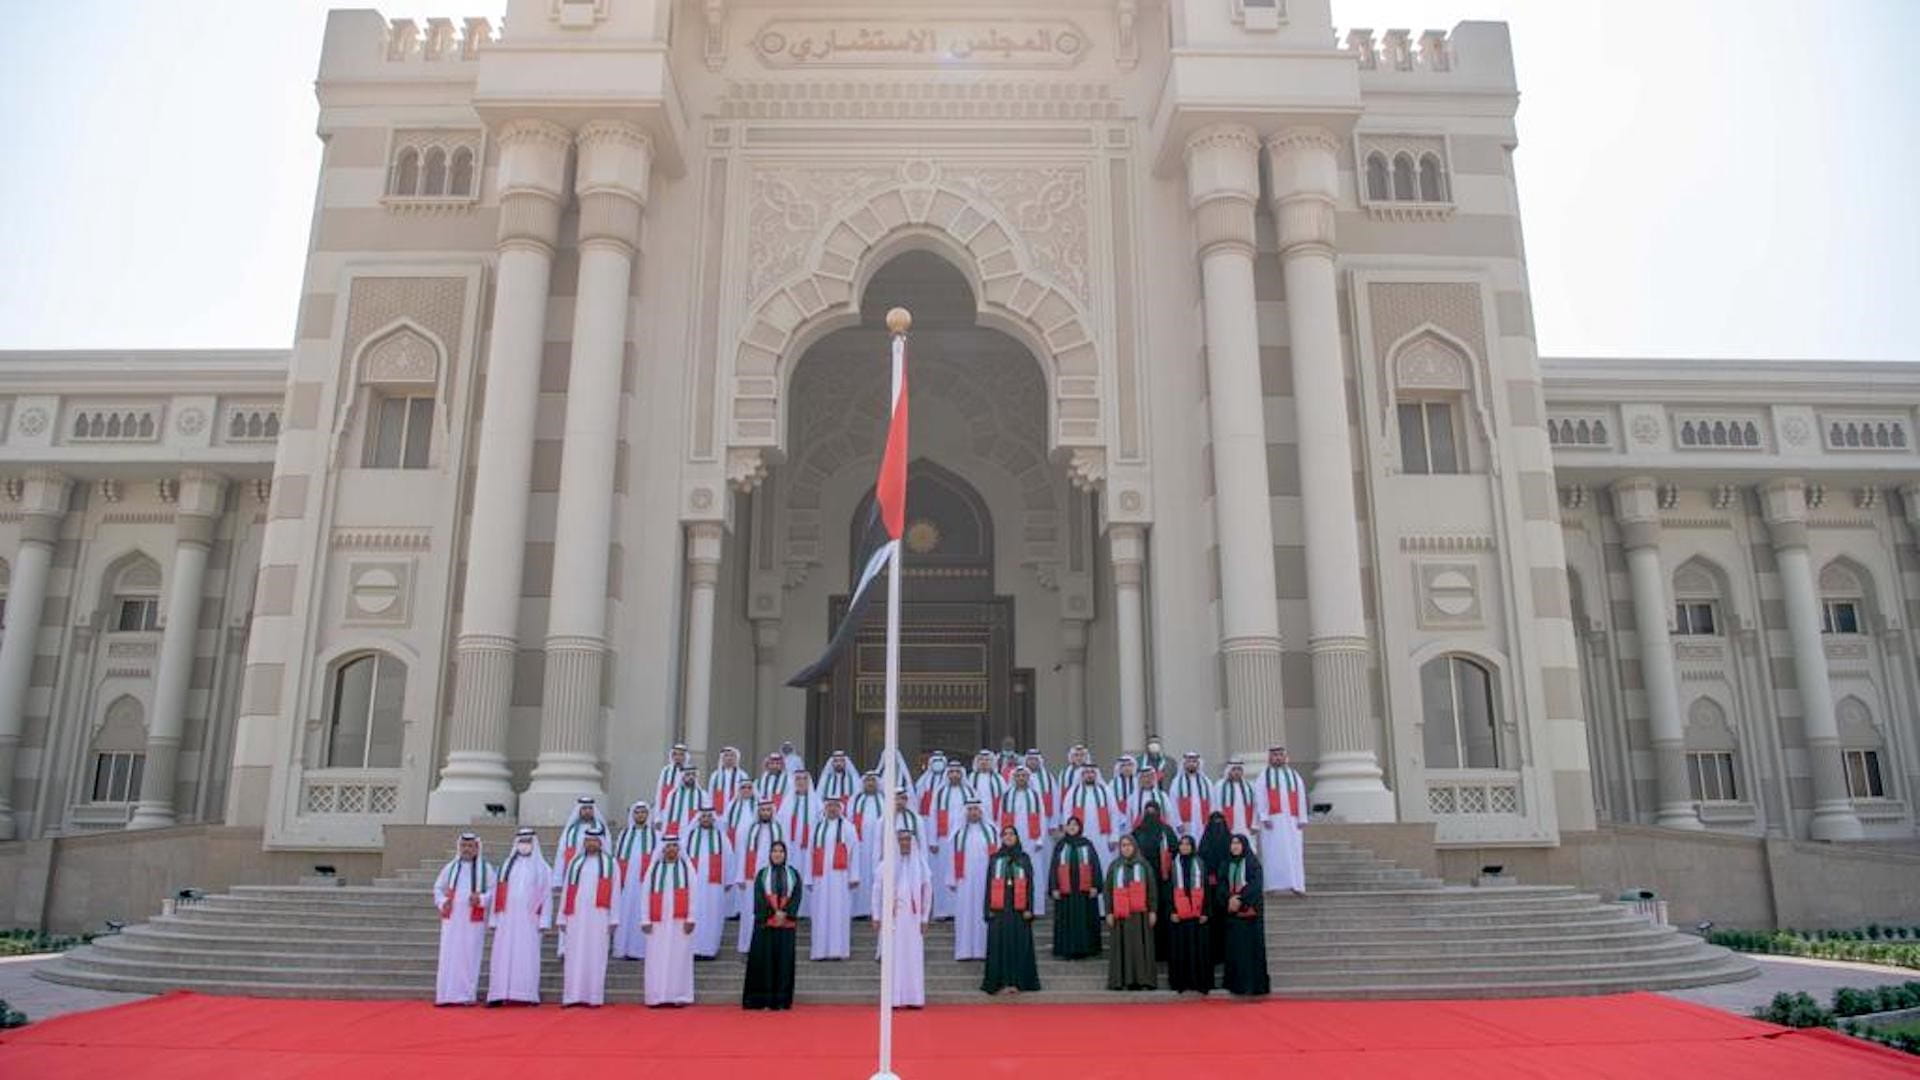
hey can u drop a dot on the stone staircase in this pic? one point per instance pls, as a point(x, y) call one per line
point(1366, 929)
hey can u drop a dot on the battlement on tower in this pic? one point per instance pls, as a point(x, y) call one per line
point(1473, 56)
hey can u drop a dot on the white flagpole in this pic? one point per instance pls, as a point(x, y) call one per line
point(898, 321)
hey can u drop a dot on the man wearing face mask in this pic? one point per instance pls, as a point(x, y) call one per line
point(522, 911)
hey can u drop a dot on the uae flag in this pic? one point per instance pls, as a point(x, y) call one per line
point(880, 539)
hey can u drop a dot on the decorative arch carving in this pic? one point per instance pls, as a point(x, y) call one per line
point(1707, 726)
point(122, 726)
point(403, 354)
point(1698, 578)
point(133, 573)
point(1855, 721)
point(1019, 234)
point(1429, 362)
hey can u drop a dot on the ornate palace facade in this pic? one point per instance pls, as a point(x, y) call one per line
point(1229, 425)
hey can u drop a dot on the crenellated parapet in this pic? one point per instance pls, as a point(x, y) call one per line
point(438, 41)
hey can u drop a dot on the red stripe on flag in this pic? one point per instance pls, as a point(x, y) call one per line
point(891, 489)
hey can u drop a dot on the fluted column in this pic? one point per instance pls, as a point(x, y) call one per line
point(1223, 186)
point(1305, 172)
point(197, 503)
point(611, 183)
point(703, 577)
point(1783, 505)
point(43, 503)
point(1073, 675)
point(766, 685)
point(1636, 507)
point(533, 161)
point(1127, 545)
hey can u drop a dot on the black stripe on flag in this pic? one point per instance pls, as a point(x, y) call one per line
point(877, 547)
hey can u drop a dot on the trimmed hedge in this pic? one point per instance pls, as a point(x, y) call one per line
point(22, 942)
point(1891, 946)
point(1800, 1010)
point(11, 1017)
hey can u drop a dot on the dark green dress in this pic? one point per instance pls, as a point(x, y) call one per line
point(770, 965)
point(1010, 959)
point(1246, 937)
point(1130, 959)
point(1076, 914)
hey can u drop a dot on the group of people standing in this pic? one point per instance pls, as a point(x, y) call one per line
point(1164, 857)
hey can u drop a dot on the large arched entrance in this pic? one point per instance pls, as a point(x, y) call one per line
point(984, 521)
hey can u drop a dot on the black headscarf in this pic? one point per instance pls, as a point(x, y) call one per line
point(1214, 841)
point(1253, 878)
point(1151, 836)
point(1196, 868)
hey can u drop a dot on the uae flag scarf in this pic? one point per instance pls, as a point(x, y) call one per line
point(603, 891)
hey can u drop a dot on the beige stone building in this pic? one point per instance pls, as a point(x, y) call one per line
point(1228, 425)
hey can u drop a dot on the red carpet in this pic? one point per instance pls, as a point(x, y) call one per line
point(1636, 1035)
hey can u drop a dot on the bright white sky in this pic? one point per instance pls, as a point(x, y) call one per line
point(1715, 178)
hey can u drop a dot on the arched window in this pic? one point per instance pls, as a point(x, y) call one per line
point(1860, 749)
point(1459, 728)
point(1712, 775)
point(1842, 601)
point(120, 752)
point(365, 699)
point(1431, 382)
point(400, 371)
point(461, 179)
point(1403, 182)
point(433, 173)
point(1696, 601)
point(1379, 188)
point(1433, 184)
point(135, 604)
point(406, 173)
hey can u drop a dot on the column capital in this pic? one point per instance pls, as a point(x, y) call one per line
point(611, 177)
point(703, 552)
point(1636, 506)
point(1127, 549)
point(1073, 641)
point(42, 497)
point(531, 176)
point(766, 638)
point(1910, 503)
point(1223, 183)
point(1783, 506)
point(200, 493)
point(1304, 168)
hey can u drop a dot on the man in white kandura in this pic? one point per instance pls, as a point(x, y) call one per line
point(669, 777)
point(1092, 802)
point(905, 931)
point(522, 911)
point(948, 813)
point(587, 904)
point(667, 920)
point(742, 813)
point(774, 782)
point(1234, 797)
point(838, 780)
point(794, 761)
point(972, 845)
point(705, 848)
point(867, 811)
point(684, 801)
point(1191, 796)
point(632, 855)
point(750, 857)
point(462, 892)
point(1025, 810)
point(586, 813)
point(1283, 821)
point(724, 783)
point(831, 883)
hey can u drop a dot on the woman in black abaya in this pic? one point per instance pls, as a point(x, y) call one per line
point(1074, 879)
point(1155, 841)
point(1189, 956)
point(1246, 943)
point(1214, 845)
point(776, 902)
point(1011, 966)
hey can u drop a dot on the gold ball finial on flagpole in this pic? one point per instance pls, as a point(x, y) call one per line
point(899, 320)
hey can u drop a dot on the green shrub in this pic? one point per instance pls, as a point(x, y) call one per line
point(11, 1017)
point(1797, 1010)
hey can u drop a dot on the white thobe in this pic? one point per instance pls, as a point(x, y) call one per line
point(905, 933)
point(751, 856)
point(1125, 792)
point(513, 970)
point(831, 887)
point(463, 929)
point(1085, 802)
point(706, 851)
point(973, 847)
point(589, 931)
point(740, 901)
point(798, 816)
point(1190, 798)
point(723, 788)
point(952, 799)
point(664, 784)
point(989, 789)
point(839, 782)
point(1026, 810)
point(868, 814)
point(628, 942)
point(1283, 802)
point(668, 979)
point(1235, 798)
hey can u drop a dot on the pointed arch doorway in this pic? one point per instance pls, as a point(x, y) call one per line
point(959, 688)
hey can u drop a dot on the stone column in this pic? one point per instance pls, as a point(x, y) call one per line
point(1636, 507)
point(1783, 505)
point(1073, 674)
point(1223, 184)
point(1127, 545)
point(1305, 172)
point(766, 689)
point(533, 161)
point(43, 503)
point(198, 500)
point(611, 183)
point(703, 578)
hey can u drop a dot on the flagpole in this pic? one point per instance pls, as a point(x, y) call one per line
point(899, 321)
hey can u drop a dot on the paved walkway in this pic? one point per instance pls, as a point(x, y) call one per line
point(41, 999)
point(1791, 973)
